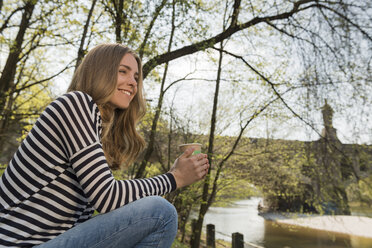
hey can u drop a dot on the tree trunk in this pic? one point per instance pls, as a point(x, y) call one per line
point(119, 20)
point(170, 134)
point(195, 242)
point(9, 71)
point(4, 123)
point(158, 9)
point(81, 51)
point(150, 146)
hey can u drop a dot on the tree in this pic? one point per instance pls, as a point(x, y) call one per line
point(15, 49)
point(150, 145)
point(22, 70)
point(9, 70)
point(82, 50)
point(41, 28)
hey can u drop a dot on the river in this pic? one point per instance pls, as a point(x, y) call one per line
point(243, 217)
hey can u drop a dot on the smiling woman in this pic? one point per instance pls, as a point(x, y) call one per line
point(106, 72)
point(127, 82)
point(60, 173)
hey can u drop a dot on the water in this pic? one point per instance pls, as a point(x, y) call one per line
point(243, 218)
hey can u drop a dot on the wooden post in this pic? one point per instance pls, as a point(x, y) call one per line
point(237, 240)
point(211, 243)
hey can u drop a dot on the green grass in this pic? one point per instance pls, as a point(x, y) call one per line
point(178, 244)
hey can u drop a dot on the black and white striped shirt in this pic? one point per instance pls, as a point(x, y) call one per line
point(59, 175)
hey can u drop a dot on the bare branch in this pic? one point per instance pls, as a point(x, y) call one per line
point(45, 79)
point(149, 29)
point(346, 19)
point(81, 51)
point(208, 43)
point(5, 24)
point(273, 88)
point(237, 140)
point(235, 14)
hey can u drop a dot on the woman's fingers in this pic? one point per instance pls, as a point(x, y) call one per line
point(198, 157)
point(187, 153)
point(202, 169)
point(188, 168)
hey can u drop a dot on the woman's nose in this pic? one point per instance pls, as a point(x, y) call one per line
point(133, 82)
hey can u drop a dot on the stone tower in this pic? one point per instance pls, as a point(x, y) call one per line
point(329, 132)
point(329, 167)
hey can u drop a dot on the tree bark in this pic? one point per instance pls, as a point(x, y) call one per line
point(158, 9)
point(195, 242)
point(119, 19)
point(8, 73)
point(81, 51)
point(150, 146)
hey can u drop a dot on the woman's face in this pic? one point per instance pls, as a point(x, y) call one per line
point(126, 86)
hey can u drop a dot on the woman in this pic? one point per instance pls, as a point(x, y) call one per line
point(60, 174)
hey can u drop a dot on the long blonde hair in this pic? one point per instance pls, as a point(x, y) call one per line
point(97, 76)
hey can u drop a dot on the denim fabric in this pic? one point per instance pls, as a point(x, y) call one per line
point(148, 222)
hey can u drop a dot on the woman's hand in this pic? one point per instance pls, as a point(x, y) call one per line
point(188, 169)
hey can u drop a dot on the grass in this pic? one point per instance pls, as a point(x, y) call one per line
point(219, 243)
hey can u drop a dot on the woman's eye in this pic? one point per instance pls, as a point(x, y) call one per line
point(121, 71)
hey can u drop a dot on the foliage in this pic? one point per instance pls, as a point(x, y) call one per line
point(2, 169)
point(361, 192)
point(28, 106)
point(366, 189)
point(281, 61)
point(234, 188)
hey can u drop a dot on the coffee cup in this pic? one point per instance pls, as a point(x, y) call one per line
point(197, 147)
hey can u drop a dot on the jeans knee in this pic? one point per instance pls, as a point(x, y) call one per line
point(165, 209)
point(163, 205)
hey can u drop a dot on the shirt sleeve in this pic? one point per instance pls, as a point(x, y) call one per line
point(79, 125)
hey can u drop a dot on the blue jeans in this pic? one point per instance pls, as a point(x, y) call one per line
point(148, 222)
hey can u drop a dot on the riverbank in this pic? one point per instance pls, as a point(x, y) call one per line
point(345, 224)
point(243, 217)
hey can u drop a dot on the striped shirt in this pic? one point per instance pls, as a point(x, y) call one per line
point(59, 175)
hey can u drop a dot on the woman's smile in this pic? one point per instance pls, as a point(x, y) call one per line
point(126, 82)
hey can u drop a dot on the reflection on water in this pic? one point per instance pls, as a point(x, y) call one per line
point(290, 236)
point(243, 217)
